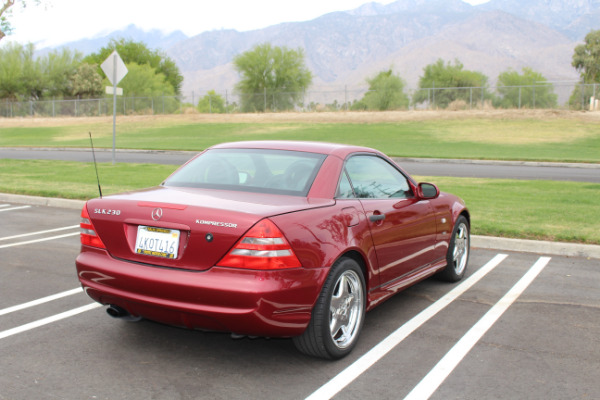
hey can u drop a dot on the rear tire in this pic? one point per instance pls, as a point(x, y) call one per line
point(338, 315)
point(457, 257)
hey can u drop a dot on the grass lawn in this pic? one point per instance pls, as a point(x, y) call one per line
point(563, 211)
point(74, 180)
point(529, 209)
point(572, 137)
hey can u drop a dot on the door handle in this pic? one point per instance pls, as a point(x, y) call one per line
point(376, 217)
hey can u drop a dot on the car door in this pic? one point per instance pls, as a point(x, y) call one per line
point(403, 227)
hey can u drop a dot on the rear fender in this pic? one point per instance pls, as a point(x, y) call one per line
point(321, 236)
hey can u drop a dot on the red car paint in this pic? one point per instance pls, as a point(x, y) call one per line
point(195, 290)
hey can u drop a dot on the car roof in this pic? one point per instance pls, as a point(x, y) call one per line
point(337, 149)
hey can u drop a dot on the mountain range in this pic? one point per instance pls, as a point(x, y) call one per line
point(344, 48)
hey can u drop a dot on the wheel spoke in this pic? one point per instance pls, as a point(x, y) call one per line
point(343, 287)
point(459, 248)
point(336, 303)
point(334, 325)
point(345, 335)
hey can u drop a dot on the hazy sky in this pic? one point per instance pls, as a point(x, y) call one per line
point(60, 21)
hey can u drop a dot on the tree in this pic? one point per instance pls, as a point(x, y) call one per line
point(86, 82)
point(139, 53)
point(58, 69)
point(211, 103)
point(529, 89)
point(143, 80)
point(386, 92)
point(6, 11)
point(21, 74)
point(11, 71)
point(587, 58)
point(442, 84)
point(272, 78)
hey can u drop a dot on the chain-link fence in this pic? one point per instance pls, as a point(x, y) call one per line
point(542, 96)
point(91, 107)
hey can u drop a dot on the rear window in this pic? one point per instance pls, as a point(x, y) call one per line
point(250, 170)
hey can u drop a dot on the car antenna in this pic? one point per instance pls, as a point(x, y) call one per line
point(95, 164)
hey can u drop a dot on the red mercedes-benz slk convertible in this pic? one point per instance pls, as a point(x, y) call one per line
point(273, 238)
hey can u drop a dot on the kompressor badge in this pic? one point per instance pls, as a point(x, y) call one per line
point(216, 223)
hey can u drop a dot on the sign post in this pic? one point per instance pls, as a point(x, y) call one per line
point(115, 70)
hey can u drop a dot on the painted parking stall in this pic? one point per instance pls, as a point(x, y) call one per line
point(29, 247)
point(23, 227)
point(450, 361)
point(432, 381)
point(487, 336)
point(524, 331)
point(9, 207)
point(37, 237)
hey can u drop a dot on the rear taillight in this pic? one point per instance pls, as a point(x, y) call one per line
point(88, 236)
point(263, 247)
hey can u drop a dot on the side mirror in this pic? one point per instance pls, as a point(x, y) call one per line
point(428, 191)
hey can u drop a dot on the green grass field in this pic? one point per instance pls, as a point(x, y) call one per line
point(564, 211)
point(529, 209)
point(565, 139)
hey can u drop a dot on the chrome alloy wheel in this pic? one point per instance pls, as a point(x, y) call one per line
point(346, 309)
point(460, 254)
point(338, 315)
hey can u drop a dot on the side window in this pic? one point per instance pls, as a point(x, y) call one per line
point(344, 190)
point(374, 178)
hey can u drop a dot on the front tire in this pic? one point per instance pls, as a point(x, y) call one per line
point(338, 315)
point(457, 257)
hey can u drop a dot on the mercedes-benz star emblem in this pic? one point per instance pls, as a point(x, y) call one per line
point(157, 214)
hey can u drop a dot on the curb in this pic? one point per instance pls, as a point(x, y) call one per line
point(41, 201)
point(481, 242)
point(536, 246)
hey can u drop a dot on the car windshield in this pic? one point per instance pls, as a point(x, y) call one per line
point(250, 170)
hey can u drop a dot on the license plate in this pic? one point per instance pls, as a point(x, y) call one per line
point(157, 242)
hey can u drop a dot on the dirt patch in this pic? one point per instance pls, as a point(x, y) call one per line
point(364, 117)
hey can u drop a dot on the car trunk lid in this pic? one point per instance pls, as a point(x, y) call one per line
point(184, 228)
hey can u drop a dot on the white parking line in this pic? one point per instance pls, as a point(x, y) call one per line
point(361, 365)
point(4, 205)
point(48, 320)
point(39, 240)
point(39, 232)
point(446, 365)
point(14, 208)
point(40, 301)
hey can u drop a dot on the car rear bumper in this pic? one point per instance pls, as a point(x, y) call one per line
point(261, 303)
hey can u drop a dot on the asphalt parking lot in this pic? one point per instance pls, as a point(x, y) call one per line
point(520, 326)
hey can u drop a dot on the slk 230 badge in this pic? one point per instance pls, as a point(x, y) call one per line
point(104, 211)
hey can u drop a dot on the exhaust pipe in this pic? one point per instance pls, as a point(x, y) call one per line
point(119, 312)
point(116, 311)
